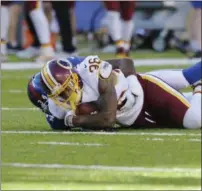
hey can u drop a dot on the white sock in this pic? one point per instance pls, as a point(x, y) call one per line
point(114, 25)
point(47, 51)
point(127, 30)
point(41, 25)
point(192, 118)
point(4, 22)
point(174, 78)
point(3, 48)
point(54, 26)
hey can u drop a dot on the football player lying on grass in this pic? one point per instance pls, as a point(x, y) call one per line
point(130, 100)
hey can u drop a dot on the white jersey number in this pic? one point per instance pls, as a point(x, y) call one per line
point(94, 64)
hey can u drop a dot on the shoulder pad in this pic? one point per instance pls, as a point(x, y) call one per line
point(105, 70)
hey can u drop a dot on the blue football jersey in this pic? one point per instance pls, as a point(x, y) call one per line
point(55, 123)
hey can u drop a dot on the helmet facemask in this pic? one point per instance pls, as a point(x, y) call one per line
point(66, 94)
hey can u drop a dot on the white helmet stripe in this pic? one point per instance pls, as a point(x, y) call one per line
point(44, 79)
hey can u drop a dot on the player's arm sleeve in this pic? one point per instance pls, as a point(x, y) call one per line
point(56, 110)
point(126, 65)
point(55, 123)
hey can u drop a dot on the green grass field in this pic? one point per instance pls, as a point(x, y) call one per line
point(36, 158)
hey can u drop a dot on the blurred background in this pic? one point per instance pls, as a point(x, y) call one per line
point(157, 35)
point(41, 30)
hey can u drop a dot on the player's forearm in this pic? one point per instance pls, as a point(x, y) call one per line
point(126, 65)
point(100, 120)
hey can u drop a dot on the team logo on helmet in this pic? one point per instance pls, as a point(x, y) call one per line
point(65, 64)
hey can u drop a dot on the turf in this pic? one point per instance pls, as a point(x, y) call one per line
point(136, 55)
point(36, 158)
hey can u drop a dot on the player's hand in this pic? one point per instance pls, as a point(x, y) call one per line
point(130, 101)
point(134, 85)
point(68, 120)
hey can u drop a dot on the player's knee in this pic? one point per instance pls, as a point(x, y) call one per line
point(192, 119)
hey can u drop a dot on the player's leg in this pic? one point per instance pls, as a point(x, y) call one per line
point(114, 22)
point(41, 26)
point(174, 78)
point(34, 49)
point(71, 5)
point(192, 118)
point(55, 29)
point(193, 74)
point(127, 9)
point(14, 12)
point(165, 103)
point(65, 24)
point(4, 28)
point(194, 29)
point(180, 79)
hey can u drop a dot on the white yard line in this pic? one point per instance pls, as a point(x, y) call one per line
point(97, 133)
point(102, 133)
point(19, 109)
point(138, 62)
point(14, 91)
point(195, 140)
point(155, 139)
point(163, 139)
point(99, 145)
point(71, 144)
point(100, 167)
point(14, 77)
point(20, 66)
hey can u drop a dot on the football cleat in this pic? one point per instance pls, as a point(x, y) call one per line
point(30, 52)
point(46, 53)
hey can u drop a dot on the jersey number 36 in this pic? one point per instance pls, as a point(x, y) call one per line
point(94, 64)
